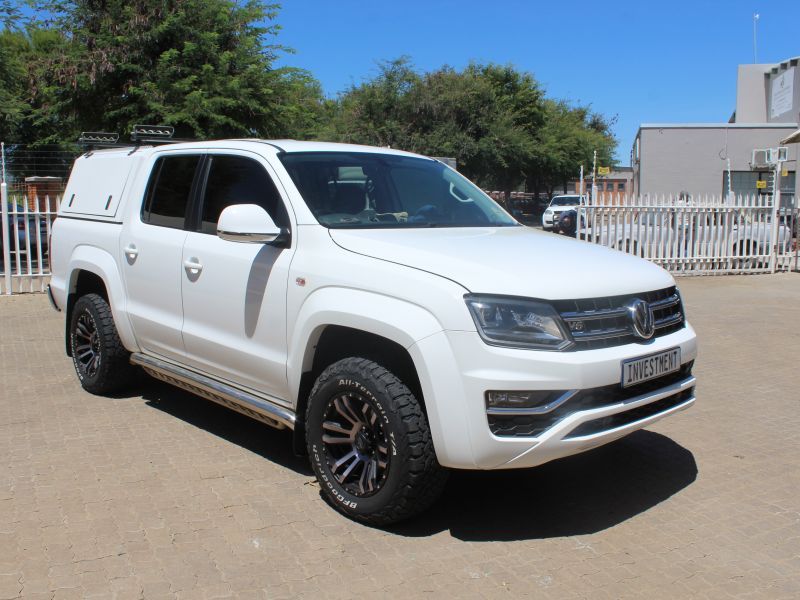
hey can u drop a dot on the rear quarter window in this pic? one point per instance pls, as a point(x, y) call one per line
point(169, 191)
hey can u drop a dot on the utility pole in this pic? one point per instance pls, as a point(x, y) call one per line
point(581, 204)
point(756, 17)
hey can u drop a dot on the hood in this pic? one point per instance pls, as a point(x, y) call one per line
point(517, 261)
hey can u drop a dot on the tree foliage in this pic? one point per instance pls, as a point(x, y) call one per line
point(207, 67)
point(494, 119)
point(203, 66)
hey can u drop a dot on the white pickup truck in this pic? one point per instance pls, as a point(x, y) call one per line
point(374, 301)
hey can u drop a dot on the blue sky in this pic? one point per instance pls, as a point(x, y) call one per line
point(645, 62)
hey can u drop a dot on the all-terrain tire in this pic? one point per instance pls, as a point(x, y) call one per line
point(101, 361)
point(354, 389)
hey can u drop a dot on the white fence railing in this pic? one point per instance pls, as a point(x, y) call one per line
point(26, 224)
point(698, 235)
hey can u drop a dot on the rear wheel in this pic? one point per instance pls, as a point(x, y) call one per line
point(370, 445)
point(101, 361)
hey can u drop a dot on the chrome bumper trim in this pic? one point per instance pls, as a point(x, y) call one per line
point(536, 410)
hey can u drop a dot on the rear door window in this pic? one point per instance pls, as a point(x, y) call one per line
point(169, 191)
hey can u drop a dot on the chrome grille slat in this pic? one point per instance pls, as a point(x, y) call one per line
point(670, 320)
point(666, 302)
point(601, 334)
point(599, 314)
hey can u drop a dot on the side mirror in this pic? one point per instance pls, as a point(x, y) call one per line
point(249, 223)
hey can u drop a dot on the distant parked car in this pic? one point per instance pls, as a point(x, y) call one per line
point(558, 205)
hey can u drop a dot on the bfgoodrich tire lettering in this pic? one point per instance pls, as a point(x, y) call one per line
point(370, 445)
point(101, 361)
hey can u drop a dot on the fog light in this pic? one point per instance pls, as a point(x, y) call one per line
point(521, 399)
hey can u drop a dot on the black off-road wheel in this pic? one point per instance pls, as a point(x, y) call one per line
point(370, 445)
point(101, 361)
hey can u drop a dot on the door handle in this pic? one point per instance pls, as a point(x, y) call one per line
point(131, 251)
point(193, 265)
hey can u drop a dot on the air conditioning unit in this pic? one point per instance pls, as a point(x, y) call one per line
point(760, 159)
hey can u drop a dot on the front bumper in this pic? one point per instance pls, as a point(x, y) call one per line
point(458, 369)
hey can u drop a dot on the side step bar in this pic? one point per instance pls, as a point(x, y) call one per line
point(257, 408)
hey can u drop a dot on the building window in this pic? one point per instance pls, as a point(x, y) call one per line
point(746, 183)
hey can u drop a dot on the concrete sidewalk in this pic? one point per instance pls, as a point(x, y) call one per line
point(163, 495)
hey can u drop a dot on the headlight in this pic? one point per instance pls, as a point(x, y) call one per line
point(517, 322)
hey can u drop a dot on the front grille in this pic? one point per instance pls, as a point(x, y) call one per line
point(533, 425)
point(604, 322)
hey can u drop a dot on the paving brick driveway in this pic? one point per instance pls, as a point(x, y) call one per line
point(161, 495)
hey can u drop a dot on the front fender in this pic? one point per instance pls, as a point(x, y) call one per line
point(400, 321)
point(99, 262)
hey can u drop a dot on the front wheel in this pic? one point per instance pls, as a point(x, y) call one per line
point(370, 445)
point(101, 361)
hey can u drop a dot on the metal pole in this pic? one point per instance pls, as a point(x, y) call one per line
point(581, 194)
point(594, 177)
point(730, 184)
point(776, 202)
point(6, 238)
point(756, 17)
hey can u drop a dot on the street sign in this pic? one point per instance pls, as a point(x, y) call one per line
point(603, 170)
point(785, 173)
point(761, 185)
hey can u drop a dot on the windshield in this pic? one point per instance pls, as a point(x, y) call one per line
point(565, 201)
point(368, 190)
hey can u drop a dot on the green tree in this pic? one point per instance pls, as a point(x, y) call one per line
point(486, 116)
point(376, 112)
point(12, 84)
point(203, 66)
point(567, 140)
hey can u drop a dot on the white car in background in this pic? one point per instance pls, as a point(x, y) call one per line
point(558, 205)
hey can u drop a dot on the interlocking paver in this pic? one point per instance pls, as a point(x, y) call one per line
point(159, 494)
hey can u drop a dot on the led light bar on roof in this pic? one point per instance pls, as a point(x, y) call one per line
point(152, 132)
point(98, 137)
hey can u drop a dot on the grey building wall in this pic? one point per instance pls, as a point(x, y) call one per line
point(751, 99)
point(691, 158)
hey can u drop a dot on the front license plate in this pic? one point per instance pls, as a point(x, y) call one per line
point(637, 370)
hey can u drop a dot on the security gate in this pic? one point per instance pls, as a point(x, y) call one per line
point(697, 235)
point(26, 225)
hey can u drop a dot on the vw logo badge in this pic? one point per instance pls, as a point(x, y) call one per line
point(641, 316)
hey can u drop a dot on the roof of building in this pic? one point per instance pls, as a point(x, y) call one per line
point(718, 126)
